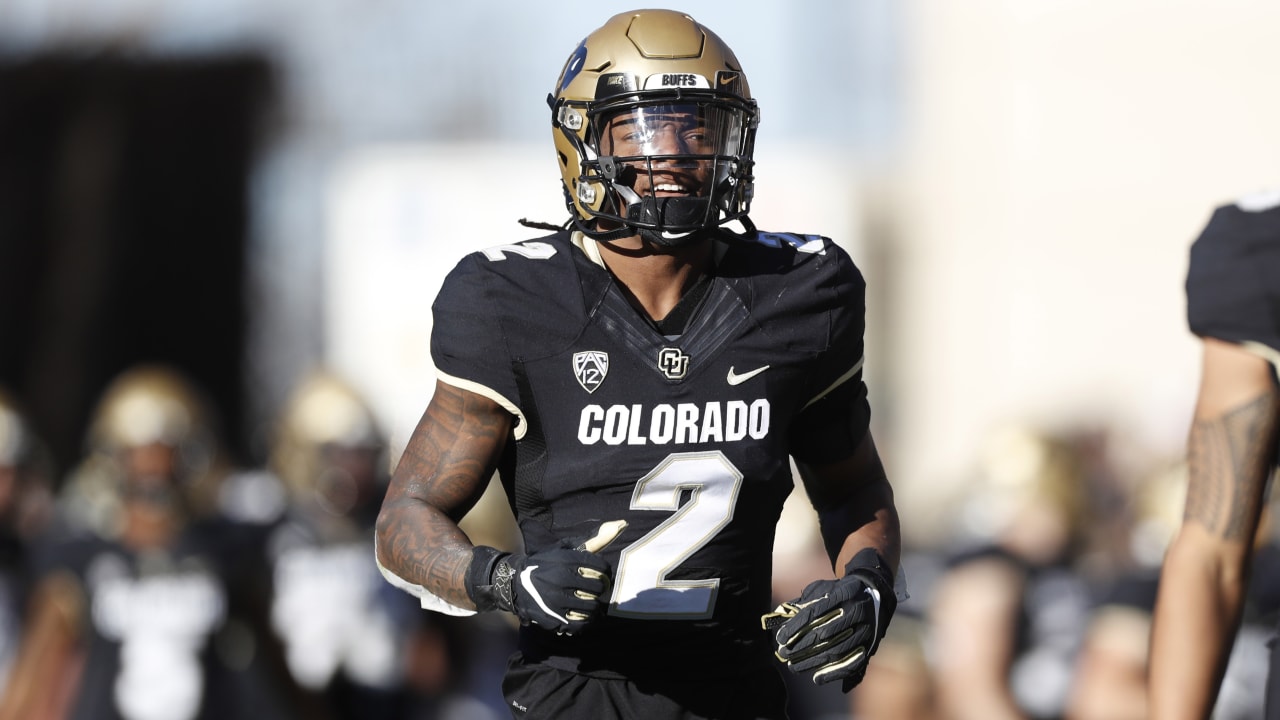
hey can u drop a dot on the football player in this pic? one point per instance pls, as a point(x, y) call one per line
point(1233, 304)
point(641, 380)
point(1007, 606)
point(329, 452)
point(26, 503)
point(154, 610)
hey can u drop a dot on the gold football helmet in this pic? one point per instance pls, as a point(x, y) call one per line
point(329, 444)
point(677, 94)
point(1032, 494)
point(149, 405)
point(146, 406)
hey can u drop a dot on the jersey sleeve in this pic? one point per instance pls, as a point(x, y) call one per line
point(468, 343)
point(837, 413)
point(1233, 279)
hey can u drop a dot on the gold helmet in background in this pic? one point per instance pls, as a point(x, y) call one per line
point(144, 407)
point(329, 445)
point(653, 62)
point(25, 472)
point(151, 405)
point(1032, 492)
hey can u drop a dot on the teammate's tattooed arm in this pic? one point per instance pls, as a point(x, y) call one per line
point(1230, 455)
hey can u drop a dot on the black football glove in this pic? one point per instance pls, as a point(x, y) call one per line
point(558, 589)
point(835, 626)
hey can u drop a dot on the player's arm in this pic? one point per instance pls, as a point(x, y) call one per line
point(854, 502)
point(420, 548)
point(442, 473)
point(1231, 451)
point(831, 439)
point(43, 674)
point(835, 626)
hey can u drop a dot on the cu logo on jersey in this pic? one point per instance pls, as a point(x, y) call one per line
point(590, 367)
point(673, 363)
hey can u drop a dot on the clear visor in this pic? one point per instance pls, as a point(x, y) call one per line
point(671, 130)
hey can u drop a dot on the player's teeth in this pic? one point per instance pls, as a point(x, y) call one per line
point(666, 187)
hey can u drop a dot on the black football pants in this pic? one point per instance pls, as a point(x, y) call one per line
point(539, 691)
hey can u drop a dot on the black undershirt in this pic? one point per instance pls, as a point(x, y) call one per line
point(674, 323)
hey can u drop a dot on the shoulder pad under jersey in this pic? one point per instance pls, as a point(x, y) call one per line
point(807, 292)
point(505, 303)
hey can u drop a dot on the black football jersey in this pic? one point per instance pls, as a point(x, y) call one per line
point(151, 622)
point(348, 647)
point(687, 438)
point(1233, 284)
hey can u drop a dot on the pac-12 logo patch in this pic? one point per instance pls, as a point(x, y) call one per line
point(590, 367)
point(673, 363)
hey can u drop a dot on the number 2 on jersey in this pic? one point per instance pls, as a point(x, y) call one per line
point(641, 588)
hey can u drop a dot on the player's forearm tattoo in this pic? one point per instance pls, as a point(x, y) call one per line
point(1230, 457)
point(442, 470)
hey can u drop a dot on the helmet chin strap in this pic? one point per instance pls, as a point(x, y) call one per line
point(665, 239)
point(669, 212)
point(654, 211)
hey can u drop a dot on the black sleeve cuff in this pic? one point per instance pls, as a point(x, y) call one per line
point(480, 586)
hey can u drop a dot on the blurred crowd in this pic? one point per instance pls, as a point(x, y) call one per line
point(1037, 604)
point(156, 581)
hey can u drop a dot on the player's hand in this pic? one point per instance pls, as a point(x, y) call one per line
point(835, 626)
point(561, 589)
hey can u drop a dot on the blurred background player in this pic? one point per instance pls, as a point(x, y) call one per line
point(900, 684)
point(337, 626)
point(1007, 613)
point(26, 504)
point(1113, 665)
point(151, 424)
point(150, 606)
point(1110, 674)
point(1233, 304)
point(367, 648)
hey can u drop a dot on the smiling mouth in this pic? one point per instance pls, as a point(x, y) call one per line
point(668, 189)
point(675, 185)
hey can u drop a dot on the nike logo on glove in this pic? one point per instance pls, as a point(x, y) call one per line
point(736, 379)
point(526, 581)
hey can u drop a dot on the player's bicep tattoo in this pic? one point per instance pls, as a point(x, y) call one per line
point(452, 454)
point(1230, 457)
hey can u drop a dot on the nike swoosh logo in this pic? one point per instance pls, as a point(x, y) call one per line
point(736, 379)
point(526, 581)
